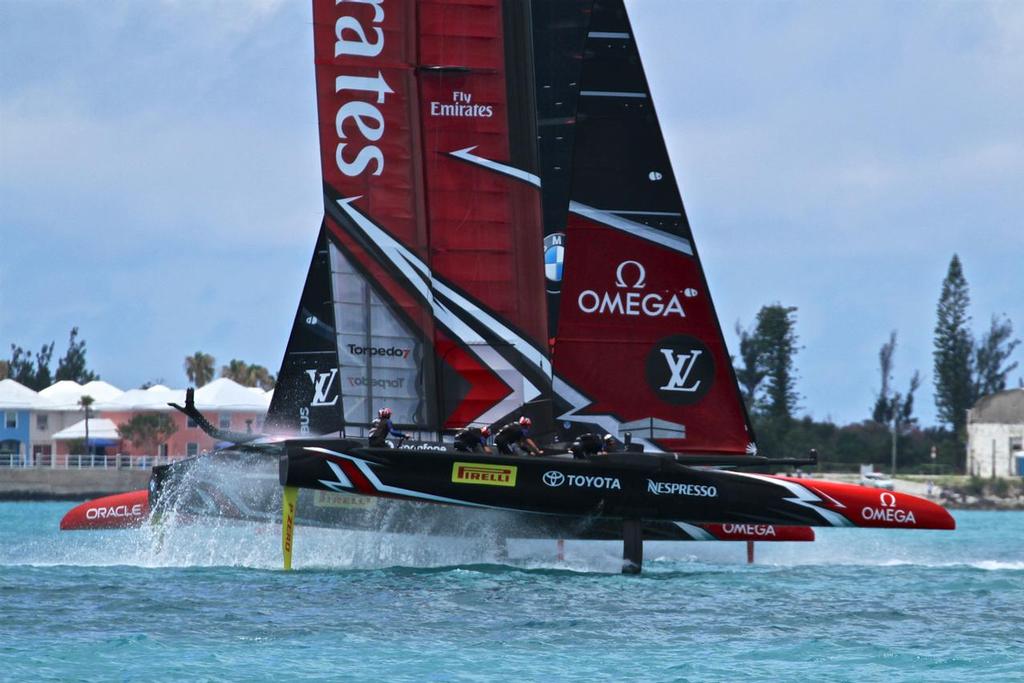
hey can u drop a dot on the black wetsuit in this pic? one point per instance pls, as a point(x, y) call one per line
point(509, 434)
point(586, 445)
point(470, 440)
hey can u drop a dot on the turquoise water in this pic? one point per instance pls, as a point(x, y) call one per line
point(208, 603)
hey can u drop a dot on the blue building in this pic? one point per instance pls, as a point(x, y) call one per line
point(16, 404)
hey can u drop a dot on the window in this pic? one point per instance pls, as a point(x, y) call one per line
point(42, 422)
point(191, 423)
point(162, 450)
point(11, 419)
point(192, 449)
point(225, 421)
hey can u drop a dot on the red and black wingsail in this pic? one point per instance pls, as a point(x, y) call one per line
point(638, 347)
point(432, 219)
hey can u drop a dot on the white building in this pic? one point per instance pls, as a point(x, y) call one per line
point(995, 435)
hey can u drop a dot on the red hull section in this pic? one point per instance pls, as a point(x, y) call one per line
point(758, 532)
point(121, 511)
point(878, 508)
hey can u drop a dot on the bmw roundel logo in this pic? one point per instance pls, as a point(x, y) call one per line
point(554, 478)
point(554, 260)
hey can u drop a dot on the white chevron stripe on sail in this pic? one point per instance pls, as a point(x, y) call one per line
point(450, 309)
point(511, 171)
point(665, 239)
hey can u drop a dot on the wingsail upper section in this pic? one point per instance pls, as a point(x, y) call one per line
point(638, 347)
point(432, 215)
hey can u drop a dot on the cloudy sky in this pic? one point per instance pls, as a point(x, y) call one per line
point(160, 188)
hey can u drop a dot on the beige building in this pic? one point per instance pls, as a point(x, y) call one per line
point(995, 435)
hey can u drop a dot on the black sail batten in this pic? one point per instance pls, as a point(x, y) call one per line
point(559, 34)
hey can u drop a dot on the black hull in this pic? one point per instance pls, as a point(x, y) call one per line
point(243, 487)
point(628, 486)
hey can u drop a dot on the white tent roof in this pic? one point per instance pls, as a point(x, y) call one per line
point(16, 396)
point(158, 387)
point(143, 399)
point(100, 390)
point(99, 428)
point(226, 394)
point(65, 394)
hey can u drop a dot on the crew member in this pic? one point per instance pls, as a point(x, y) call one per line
point(516, 434)
point(585, 446)
point(473, 440)
point(610, 445)
point(382, 429)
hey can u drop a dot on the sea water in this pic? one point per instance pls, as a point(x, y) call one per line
point(211, 603)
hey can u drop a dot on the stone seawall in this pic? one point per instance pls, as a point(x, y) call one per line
point(61, 484)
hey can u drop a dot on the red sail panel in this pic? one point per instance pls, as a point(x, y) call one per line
point(639, 338)
point(367, 98)
point(365, 55)
point(483, 209)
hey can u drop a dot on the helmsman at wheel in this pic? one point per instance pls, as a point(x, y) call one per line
point(382, 429)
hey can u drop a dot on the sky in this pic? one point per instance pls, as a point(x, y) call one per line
point(160, 182)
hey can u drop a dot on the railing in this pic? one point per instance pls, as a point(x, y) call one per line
point(86, 461)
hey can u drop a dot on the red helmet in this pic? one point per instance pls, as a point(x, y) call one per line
point(525, 421)
point(384, 413)
point(485, 432)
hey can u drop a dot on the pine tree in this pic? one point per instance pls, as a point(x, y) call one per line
point(34, 373)
point(751, 375)
point(990, 356)
point(954, 386)
point(72, 366)
point(778, 344)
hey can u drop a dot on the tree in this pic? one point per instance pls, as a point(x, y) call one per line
point(777, 346)
point(954, 386)
point(248, 375)
point(893, 409)
point(33, 373)
point(72, 366)
point(147, 430)
point(751, 375)
point(199, 368)
point(5, 369)
point(86, 402)
point(990, 356)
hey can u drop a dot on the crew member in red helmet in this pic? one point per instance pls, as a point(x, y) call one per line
point(382, 429)
point(515, 436)
point(473, 440)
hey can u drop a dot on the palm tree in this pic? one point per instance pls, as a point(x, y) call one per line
point(85, 402)
point(237, 371)
point(248, 375)
point(199, 368)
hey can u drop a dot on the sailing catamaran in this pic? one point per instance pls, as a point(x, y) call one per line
point(459, 141)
